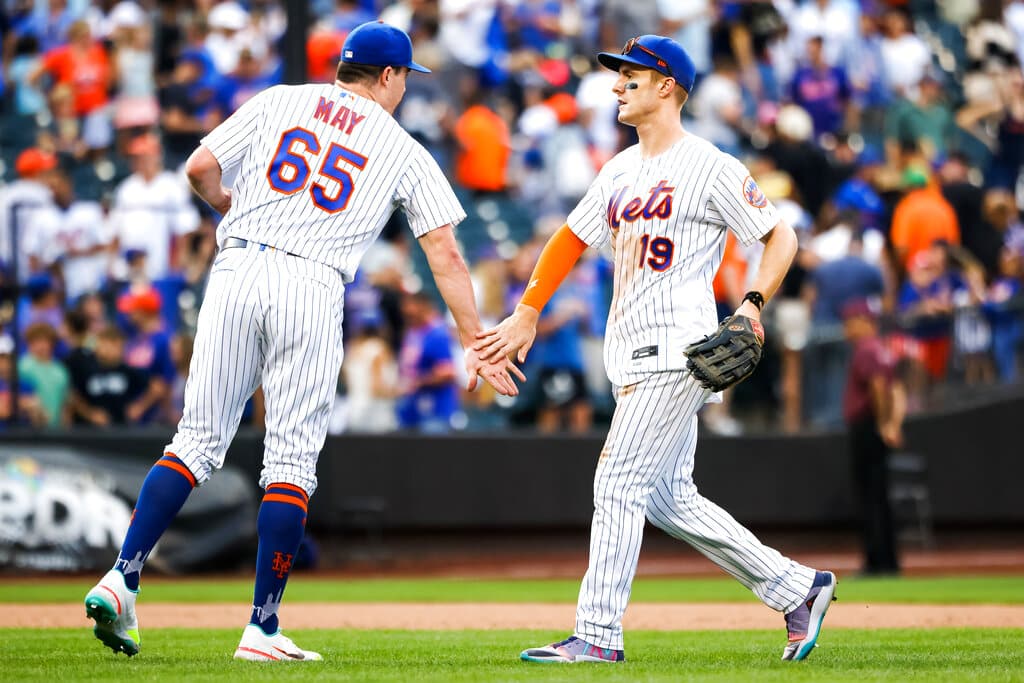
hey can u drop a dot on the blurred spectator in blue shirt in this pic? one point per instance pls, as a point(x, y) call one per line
point(536, 24)
point(835, 283)
point(926, 299)
point(149, 350)
point(43, 304)
point(822, 90)
point(560, 361)
point(189, 106)
point(348, 14)
point(48, 23)
point(427, 370)
point(1003, 309)
point(248, 78)
point(28, 99)
point(858, 193)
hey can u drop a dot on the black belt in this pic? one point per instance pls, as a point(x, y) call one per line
point(239, 243)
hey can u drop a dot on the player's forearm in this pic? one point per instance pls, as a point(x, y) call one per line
point(779, 249)
point(453, 282)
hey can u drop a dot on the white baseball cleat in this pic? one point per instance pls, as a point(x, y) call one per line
point(804, 623)
point(112, 606)
point(257, 646)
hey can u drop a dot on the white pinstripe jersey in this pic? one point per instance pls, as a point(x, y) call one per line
point(321, 171)
point(665, 218)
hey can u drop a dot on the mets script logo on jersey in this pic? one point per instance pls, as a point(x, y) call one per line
point(752, 193)
point(658, 205)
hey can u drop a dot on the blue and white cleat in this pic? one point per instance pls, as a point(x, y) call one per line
point(572, 650)
point(804, 623)
point(112, 606)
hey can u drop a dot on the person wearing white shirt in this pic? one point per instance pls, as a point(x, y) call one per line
point(836, 21)
point(30, 196)
point(904, 56)
point(152, 209)
point(598, 112)
point(463, 30)
point(75, 234)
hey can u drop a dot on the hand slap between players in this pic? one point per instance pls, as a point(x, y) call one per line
point(513, 335)
point(495, 374)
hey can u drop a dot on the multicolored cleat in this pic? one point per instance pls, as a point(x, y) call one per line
point(112, 606)
point(804, 623)
point(572, 650)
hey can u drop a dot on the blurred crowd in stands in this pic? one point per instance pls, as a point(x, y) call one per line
point(890, 134)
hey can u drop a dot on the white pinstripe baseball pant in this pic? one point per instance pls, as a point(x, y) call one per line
point(646, 469)
point(271, 318)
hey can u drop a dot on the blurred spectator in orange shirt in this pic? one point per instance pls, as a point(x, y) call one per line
point(728, 282)
point(921, 218)
point(484, 148)
point(83, 64)
point(323, 49)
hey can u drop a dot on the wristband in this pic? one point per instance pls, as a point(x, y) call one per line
point(755, 298)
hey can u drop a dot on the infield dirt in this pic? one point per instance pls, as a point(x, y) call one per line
point(434, 616)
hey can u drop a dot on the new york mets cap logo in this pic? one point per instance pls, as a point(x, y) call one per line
point(752, 193)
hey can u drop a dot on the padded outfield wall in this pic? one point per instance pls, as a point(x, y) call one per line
point(975, 464)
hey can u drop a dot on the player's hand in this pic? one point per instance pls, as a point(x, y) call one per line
point(498, 375)
point(513, 335)
point(748, 310)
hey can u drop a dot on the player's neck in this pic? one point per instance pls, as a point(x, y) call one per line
point(659, 133)
point(357, 89)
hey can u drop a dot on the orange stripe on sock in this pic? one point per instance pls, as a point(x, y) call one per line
point(278, 498)
point(290, 487)
point(180, 468)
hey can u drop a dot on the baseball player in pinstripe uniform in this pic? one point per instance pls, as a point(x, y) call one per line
point(320, 170)
point(664, 206)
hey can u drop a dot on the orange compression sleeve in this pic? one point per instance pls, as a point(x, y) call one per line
point(560, 254)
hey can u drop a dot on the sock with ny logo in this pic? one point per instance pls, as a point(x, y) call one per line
point(281, 523)
point(164, 491)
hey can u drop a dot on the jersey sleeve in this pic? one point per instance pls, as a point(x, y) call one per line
point(427, 196)
point(228, 141)
point(589, 220)
point(736, 202)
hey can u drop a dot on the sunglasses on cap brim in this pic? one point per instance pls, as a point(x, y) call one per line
point(635, 43)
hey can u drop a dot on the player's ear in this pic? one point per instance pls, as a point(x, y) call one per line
point(668, 84)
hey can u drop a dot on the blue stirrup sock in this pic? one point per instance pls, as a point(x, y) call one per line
point(281, 524)
point(164, 491)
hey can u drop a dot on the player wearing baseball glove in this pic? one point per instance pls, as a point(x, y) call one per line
point(728, 356)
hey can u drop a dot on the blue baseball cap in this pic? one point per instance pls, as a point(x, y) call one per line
point(662, 54)
point(378, 44)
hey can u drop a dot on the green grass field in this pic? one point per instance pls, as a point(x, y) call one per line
point(940, 590)
point(420, 656)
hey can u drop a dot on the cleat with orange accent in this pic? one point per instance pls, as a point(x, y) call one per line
point(112, 606)
point(257, 646)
